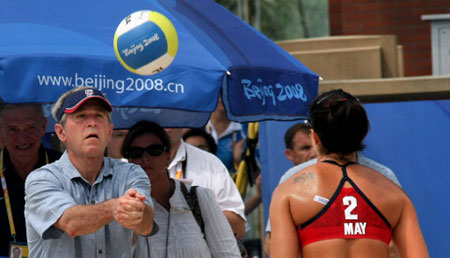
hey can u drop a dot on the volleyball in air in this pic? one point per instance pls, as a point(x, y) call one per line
point(145, 42)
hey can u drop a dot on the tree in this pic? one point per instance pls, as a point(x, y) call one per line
point(283, 19)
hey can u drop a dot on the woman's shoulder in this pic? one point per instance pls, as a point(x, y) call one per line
point(195, 195)
point(200, 191)
point(369, 176)
point(306, 176)
point(203, 192)
point(387, 196)
point(303, 183)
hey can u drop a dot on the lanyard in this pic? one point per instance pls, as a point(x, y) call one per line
point(7, 201)
point(6, 194)
point(181, 168)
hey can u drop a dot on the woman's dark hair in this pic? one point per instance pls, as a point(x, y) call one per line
point(340, 121)
point(202, 133)
point(141, 128)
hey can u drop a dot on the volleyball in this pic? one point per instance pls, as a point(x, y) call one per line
point(145, 42)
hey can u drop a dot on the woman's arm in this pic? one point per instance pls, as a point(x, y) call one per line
point(284, 240)
point(256, 199)
point(407, 234)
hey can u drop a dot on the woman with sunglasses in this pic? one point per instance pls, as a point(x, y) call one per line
point(179, 235)
point(336, 207)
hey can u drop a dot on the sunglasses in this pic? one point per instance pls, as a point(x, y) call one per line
point(152, 150)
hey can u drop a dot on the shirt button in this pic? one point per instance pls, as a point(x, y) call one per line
point(100, 251)
point(93, 202)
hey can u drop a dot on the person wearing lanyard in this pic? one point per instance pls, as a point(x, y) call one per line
point(85, 204)
point(21, 128)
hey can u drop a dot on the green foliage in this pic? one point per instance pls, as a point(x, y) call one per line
point(317, 17)
point(281, 19)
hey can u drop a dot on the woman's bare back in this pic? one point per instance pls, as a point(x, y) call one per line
point(307, 189)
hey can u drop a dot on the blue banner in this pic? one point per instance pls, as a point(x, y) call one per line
point(259, 93)
point(47, 49)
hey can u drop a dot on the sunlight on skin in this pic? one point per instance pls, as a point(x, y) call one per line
point(308, 185)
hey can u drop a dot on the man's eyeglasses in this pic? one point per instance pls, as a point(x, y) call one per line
point(153, 150)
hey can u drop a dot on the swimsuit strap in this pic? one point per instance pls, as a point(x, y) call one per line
point(343, 167)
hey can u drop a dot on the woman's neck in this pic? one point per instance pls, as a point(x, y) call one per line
point(338, 157)
point(162, 190)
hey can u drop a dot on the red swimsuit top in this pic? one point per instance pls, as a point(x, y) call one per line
point(348, 214)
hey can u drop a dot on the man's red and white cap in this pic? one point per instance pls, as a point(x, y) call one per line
point(73, 101)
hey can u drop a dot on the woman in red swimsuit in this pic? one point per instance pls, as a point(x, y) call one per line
point(338, 208)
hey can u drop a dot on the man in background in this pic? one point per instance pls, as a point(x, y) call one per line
point(21, 128)
point(298, 144)
point(115, 145)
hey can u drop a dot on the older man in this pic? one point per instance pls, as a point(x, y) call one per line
point(85, 204)
point(21, 128)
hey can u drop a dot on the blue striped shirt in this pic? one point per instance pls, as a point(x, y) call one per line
point(52, 189)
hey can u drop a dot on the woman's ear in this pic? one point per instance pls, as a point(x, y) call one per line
point(314, 137)
point(315, 140)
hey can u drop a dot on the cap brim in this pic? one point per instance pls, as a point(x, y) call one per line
point(78, 105)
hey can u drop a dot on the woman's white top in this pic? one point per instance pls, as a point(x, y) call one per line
point(179, 234)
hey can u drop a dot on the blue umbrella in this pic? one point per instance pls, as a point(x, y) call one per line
point(48, 47)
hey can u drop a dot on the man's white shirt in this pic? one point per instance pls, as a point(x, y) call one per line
point(206, 170)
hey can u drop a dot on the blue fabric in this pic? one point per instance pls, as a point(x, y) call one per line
point(225, 149)
point(412, 139)
point(51, 189)
point(47, 48)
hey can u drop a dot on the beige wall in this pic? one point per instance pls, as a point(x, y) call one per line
point(393, 89)
point(348, 57)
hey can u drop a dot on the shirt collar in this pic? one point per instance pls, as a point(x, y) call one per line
point(231, 128)
point(72, 172)
point(180, 156)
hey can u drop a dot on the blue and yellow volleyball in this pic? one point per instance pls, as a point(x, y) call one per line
point(145, 42)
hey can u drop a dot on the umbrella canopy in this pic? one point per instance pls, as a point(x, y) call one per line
point(48, 47)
